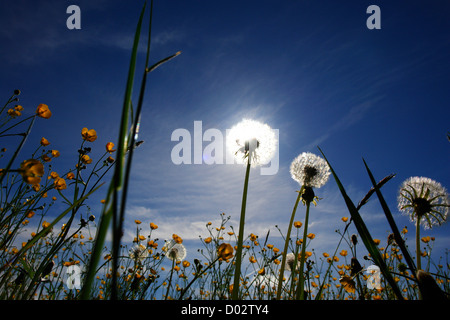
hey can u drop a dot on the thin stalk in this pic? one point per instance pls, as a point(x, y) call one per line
point(286, 245)
point(301, 278)
point(237, 271)
point(197, 275)
point(170, 279)
point(419, 264)
point(25, 135)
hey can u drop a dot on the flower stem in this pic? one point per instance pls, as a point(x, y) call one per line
point(237, 271)
point(301, 279)
point(286, 245)
point(170, 279)
point(418, 244)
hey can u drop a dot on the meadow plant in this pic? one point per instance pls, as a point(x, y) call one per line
point(309, 171)
point(29, 192)
point(254, 144)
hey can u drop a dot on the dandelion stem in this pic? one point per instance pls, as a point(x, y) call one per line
point(170, 279)
point(418, 243)
point(237, 272)
point(286, 245)
point(301, 278)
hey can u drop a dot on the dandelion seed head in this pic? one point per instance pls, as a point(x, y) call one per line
point(138, 253)
point(174, 251)
point(310, 170)
point(254, 140)
point(290, 258)
point(424, 199)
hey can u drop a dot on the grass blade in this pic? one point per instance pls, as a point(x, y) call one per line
point(365, 234)
point(398, 239)
point(111, 208)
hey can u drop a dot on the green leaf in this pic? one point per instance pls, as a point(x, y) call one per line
point(365, 234)
point(398, 239)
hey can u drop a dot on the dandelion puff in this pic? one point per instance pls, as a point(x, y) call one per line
point(174, 251)
point(252, 140)
point(425, 200)
point(138, 253)
point(310, 170)
point(290, 258)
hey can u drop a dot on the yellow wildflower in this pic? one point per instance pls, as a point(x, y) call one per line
point(109, 147)
point(60, 184)
point(89, 135)
point(31, 170)
point(153, 226)
point(44, 142)
point(208, 240)
point(348, 283)
point(177, 238)
point(225, 251)
point(43, 111)
point(297, 224)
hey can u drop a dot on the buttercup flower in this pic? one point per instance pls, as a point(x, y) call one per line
point(153, 226)
point(310, 170)
point(44, 142)
point(425, 200)
point(174, 251)
point(89, 135)
point(225, 251)
point(109, 147)
point(86, 159)
point(43, 111)
point(13, 113)
point(31, 170)
point(138, 253)
point(60, 183)
point(252, 140)
point(177, 238)
point(348, 284)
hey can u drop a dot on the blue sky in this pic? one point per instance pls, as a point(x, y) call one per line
point(312, 70)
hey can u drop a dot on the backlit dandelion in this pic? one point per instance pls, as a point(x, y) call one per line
point(425, 201)
point(174, 251)
point(252, 140)
point(138, 253)
point(310, 170)
point(253, 143)
point(290, 260)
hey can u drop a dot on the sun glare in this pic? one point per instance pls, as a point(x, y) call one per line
point(250, 138)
